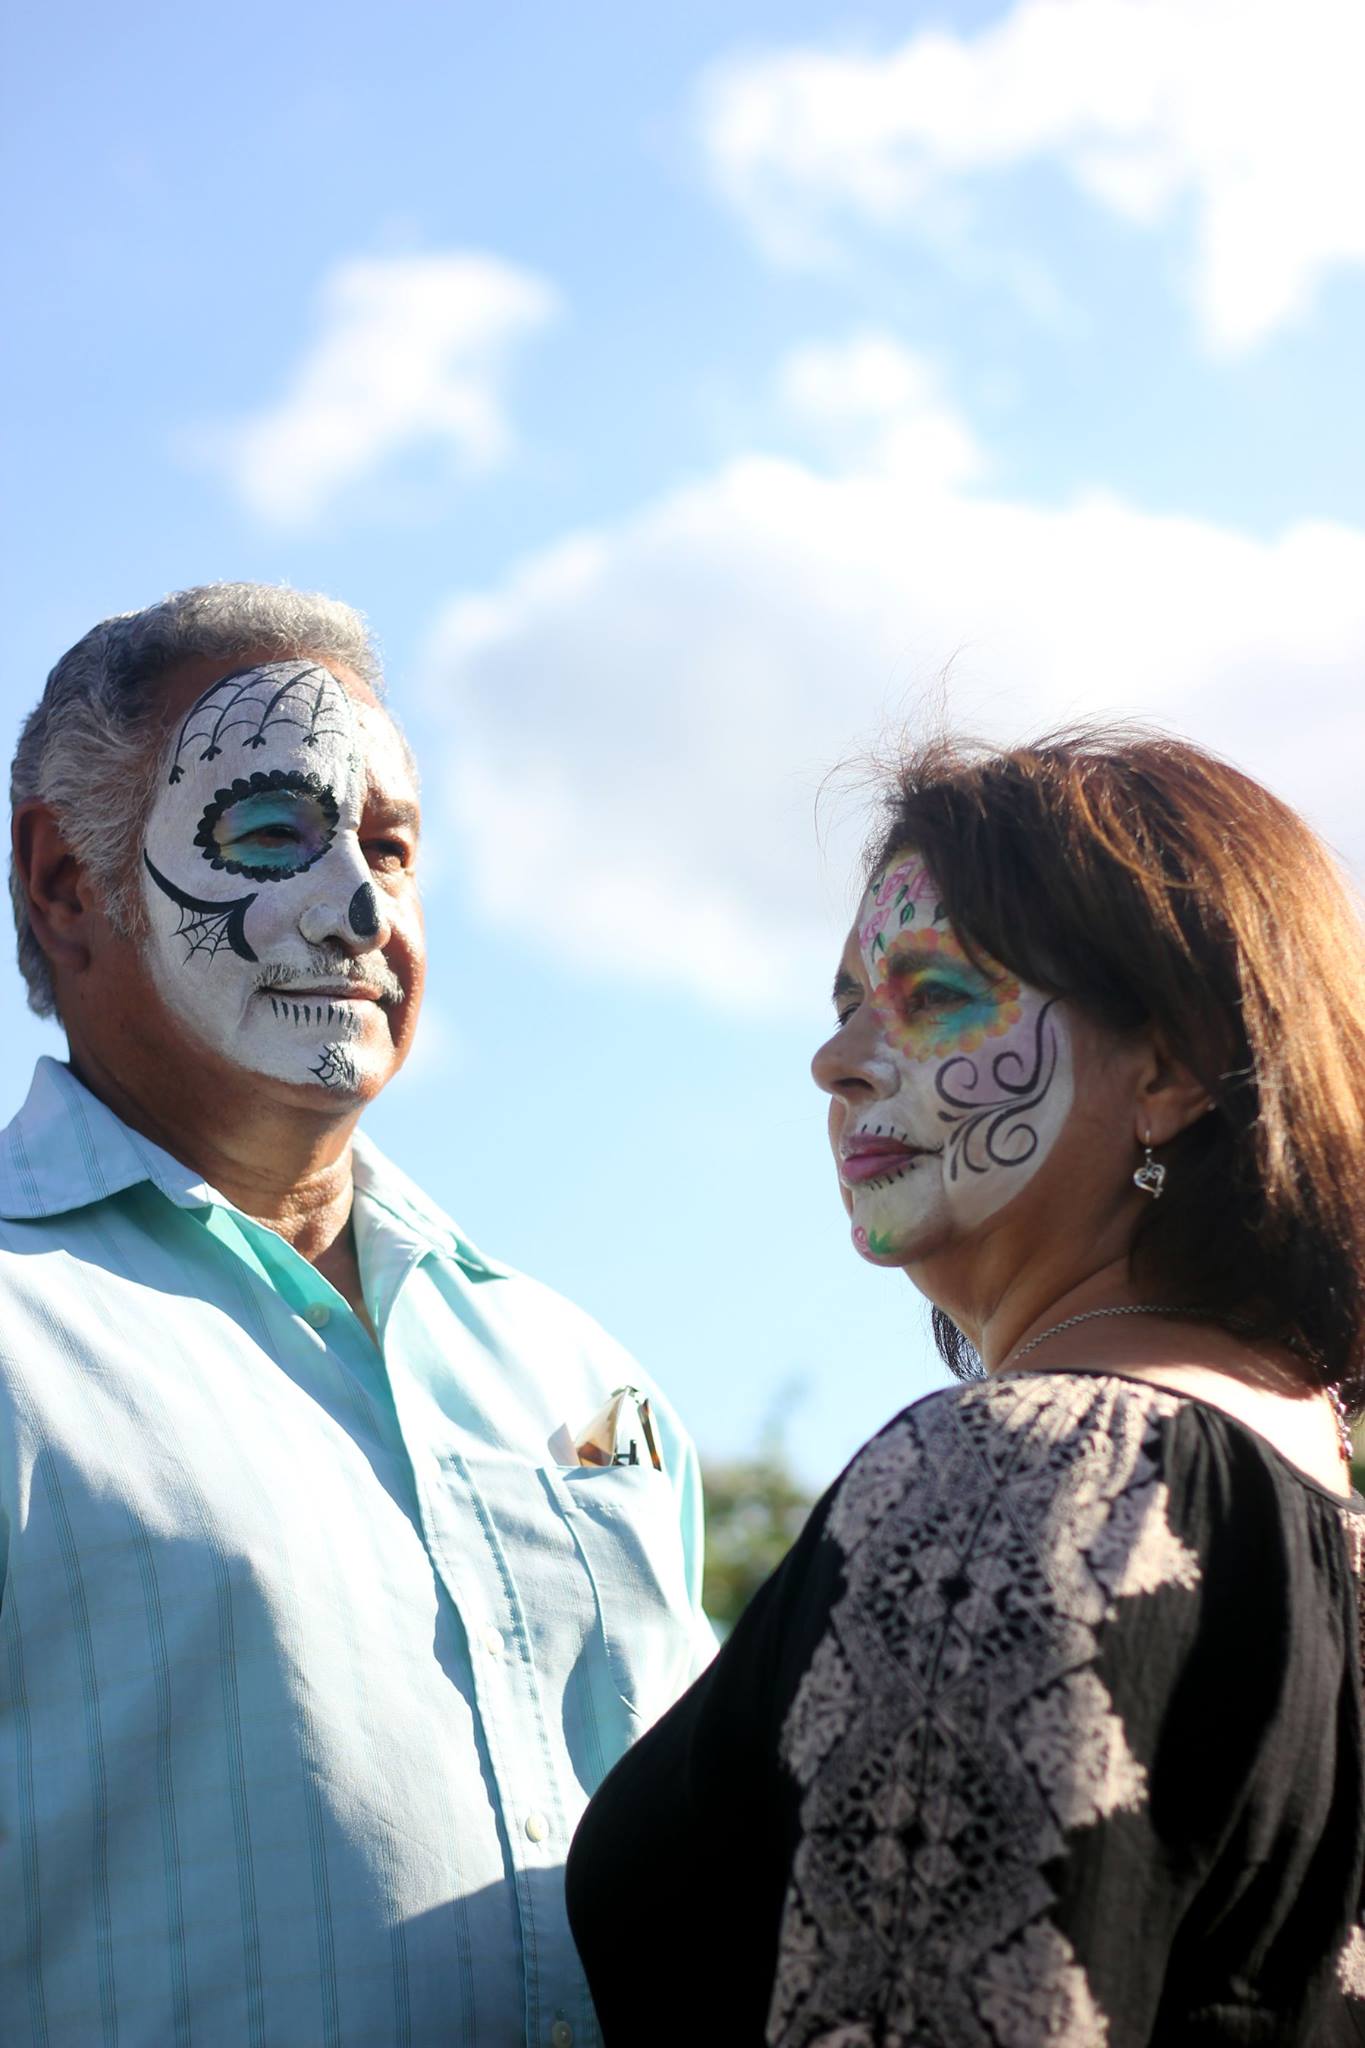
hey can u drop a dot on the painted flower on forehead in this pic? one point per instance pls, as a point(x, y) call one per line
point(904, 896)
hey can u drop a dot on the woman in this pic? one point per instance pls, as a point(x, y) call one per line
point(1049, 1728)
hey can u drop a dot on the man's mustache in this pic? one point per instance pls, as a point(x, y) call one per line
point(327, 963)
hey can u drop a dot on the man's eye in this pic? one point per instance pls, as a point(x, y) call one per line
point(270, 825)
point(269, 835)
point(387, 853)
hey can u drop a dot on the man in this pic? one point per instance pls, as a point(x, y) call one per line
point(316, 1634)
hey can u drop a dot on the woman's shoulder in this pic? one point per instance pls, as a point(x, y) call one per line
point(1086, 1477)
point(1061, 1450)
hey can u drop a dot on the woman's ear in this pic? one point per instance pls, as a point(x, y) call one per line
point(1170, 1098)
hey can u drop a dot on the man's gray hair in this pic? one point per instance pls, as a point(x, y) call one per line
point(91, 747)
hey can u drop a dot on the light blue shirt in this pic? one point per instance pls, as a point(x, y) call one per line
point(310, 1652)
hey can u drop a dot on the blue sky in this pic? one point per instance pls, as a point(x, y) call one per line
point(680, 391)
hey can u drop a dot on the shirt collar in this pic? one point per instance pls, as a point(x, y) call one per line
point(66, 1149)
point(379, 1181)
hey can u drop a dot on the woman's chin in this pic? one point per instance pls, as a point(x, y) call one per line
point(879, 1247)
point(902, 1241)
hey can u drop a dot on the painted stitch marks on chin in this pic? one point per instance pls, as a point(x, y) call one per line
point(336, 1068)
point(983, 1135)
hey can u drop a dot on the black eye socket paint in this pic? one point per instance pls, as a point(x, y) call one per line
point(303, 803)
point(363, 913)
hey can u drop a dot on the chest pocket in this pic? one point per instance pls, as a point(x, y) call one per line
point(624, 1524)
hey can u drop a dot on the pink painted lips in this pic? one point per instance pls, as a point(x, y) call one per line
point(872, 1155)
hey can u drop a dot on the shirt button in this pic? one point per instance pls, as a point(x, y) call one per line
point(492, 1642)
point(537, 1827)
point(561, 2035)
point(318, 1314)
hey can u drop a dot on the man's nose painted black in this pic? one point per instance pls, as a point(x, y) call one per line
point(364, 912)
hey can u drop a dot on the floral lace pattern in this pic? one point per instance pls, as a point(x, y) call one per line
point(951, 1728)
point(1351, 1960)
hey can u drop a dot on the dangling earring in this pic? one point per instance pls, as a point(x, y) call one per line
point(1151, 1175)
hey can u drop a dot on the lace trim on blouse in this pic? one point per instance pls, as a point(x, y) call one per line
point(952, 1728)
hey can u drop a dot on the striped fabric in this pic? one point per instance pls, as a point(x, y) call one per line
point(310, 1654)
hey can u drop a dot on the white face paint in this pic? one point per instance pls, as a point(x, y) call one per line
point(259, 896)
point(971, 1072)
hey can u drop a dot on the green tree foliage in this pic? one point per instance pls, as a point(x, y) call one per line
point(755, 1510)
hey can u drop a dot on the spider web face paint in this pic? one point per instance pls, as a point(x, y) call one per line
point(254, 706)
point(257, 891)
point(978, 1075)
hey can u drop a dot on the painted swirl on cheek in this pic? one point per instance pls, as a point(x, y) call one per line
point(1000, 1130)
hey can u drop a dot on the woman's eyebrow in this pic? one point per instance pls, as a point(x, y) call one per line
point(909, 950)
point(845, 984)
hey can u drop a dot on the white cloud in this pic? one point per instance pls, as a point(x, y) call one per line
point(871, 401)
point(640, 718)
point(1246, 113)
point(408, 350)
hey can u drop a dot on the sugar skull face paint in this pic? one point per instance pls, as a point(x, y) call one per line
point(949, 1082)
point(261, 903)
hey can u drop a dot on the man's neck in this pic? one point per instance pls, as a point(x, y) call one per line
point(282, 1164)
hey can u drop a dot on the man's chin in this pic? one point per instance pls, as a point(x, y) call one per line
point(343, 1070)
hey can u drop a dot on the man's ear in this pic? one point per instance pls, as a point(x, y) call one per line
point(60, 902)
point(1170, 1098)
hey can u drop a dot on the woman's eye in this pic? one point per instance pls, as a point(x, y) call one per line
point(936, 995)
point(842, 1016)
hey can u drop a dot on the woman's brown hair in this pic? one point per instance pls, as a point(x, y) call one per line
point(1150, 883)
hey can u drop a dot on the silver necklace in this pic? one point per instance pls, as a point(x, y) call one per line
point(1334, 1395)
point(1088, 1315)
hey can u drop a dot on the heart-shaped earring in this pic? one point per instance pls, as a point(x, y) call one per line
point(1151, 1175)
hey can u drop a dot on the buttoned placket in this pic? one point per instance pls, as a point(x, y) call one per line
point(455, 1521)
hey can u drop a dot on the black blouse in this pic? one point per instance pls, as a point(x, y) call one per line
point(1047, 1731)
